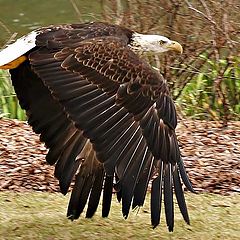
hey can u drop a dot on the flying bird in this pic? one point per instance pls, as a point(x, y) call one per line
point(104, 113)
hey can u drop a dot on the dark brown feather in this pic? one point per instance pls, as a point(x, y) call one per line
point(107, 195)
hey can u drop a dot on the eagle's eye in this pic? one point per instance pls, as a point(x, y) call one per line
point(161, 42)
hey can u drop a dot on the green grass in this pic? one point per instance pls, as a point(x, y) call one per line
point(42, 216)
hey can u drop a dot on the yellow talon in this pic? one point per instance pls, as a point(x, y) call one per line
point(14, 64)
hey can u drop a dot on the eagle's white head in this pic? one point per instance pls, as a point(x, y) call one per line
point(154, 44)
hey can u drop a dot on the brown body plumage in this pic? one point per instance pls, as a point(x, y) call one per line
point(105, 116)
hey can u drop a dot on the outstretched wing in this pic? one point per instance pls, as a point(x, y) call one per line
point(103, 113)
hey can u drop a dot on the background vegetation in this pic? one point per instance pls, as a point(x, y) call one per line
point(9, 106)
point(205, 80)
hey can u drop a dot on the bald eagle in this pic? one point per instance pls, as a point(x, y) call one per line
point(104, 113)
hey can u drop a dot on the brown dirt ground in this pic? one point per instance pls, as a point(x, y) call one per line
point(211, 155)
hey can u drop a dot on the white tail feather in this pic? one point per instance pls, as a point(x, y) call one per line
point(18, 48)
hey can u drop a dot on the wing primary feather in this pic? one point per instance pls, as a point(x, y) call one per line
point(131, 172)
point(81, 105)
point(107, 195)
point(95, 193)
point(113, 152)
point(117, 187)
point(43, 122)
point(142, 185)
point(156, 197)
point(119, 195)
point(179, 195)
point(69, 147)
point(184, 176)
point(97, 109)
point(113, 133)
point(79, 195)
point(50, 132)
point(112, 121)
point(67, 165)
point(57, 145)
point(72, 212)
point(83, 98)
point(129, 154)
point(101, 118)
point(168, 196)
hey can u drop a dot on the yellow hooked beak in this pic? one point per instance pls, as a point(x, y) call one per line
point(175, 46)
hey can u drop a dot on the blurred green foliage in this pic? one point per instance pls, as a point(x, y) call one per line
point(213, 92)
point(9, 106)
